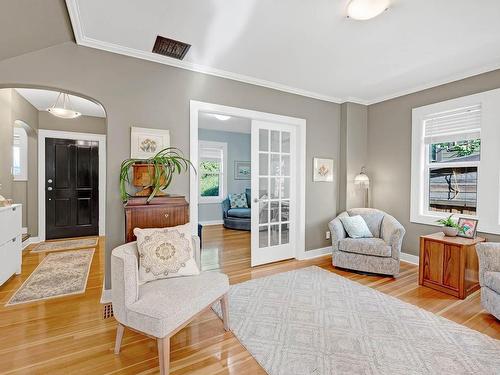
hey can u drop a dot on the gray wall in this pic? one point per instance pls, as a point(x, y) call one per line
point(82, 124)
point(139, 92)
point(14, 107)
point(238, 148)
point(389, 149)
point(353, 153)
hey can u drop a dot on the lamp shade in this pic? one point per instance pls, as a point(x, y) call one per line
point(62, 107)
point(362, 178)
point(366, 9)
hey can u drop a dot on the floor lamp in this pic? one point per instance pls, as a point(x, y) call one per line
point(363, 181)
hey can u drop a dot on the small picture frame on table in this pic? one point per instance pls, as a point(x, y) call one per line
point(470, 227)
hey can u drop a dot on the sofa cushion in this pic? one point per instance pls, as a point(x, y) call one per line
point(243, 213)
point(492, 280)
point(365, 246)
point(164, 305)
point(238, 200)
point(373, 218)
point(248, 193)
point(356, 227)
point(165, 252)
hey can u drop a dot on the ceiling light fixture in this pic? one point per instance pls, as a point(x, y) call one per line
point(62, 107)
point(222, 117)
point(366, 9)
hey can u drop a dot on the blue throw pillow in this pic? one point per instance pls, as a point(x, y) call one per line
point(238, 200)
point(356, 227)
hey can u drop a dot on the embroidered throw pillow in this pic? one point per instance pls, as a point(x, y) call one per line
point(356, 227)
point(165, 253)
point(238, 200)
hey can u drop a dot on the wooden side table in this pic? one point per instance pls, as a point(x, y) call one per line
point(449, 264)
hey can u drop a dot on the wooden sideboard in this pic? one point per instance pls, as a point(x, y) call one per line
point(160, 212)
point(449, 264)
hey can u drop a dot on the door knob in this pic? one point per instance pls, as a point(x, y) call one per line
point(49, 180)
point(49, 188)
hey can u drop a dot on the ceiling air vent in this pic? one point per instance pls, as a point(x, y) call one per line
point(171, 48)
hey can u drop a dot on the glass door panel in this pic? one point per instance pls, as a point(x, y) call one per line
point(274, 178)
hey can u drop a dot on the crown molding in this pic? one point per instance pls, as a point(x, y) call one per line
point(83, 40)
point(439, 82)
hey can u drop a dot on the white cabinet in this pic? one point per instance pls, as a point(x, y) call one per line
point(10, 241)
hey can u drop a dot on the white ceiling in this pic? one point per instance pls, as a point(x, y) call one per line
point(305, 47)
point(233, 124)
point(43, 99)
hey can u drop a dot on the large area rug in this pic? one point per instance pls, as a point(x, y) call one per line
point(59, 245)
point(59, 274)
point(311, 321)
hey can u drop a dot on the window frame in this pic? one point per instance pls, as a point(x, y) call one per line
point(222, 146)
point(488, 179)
point(23, 153)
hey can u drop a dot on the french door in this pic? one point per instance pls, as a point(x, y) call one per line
point(273, 204)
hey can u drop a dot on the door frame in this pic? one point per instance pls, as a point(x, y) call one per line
point(196, 107)
point(101, 139)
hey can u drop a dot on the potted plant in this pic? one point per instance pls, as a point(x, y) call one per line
point(450, 226)
point(154, 174)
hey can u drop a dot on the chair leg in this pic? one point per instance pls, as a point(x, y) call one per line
point(164, 354)
point(119, 336)
point(224, 304)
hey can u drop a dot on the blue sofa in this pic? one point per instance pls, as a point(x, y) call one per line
point(237, 218)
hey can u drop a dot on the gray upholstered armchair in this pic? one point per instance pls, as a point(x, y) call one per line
point(161, 308)
point(379, 254)
point(489, 276)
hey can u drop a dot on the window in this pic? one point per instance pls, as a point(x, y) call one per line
point(212, 171)
point(455, 168)
point(453, 149)
point(20, 155)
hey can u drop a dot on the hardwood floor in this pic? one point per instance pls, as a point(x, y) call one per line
point(68, 335)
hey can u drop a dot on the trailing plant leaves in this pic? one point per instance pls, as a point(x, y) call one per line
point(162, 166)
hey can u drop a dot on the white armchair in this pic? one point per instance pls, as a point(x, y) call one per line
point(379, 254)
point(163, 307)
point(489, 276)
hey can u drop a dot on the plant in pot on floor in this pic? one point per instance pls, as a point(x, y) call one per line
point(450, 226)
point(152, 175)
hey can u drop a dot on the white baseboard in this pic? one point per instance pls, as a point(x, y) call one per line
point(211, 222)
point(106, 295)
point(310, 254)
point(409, 258)
point(30, 241)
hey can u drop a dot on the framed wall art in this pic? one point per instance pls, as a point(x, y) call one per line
point(146, 142)
point(322, 170)
point(242, 170)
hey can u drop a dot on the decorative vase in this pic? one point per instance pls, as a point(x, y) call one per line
point(143, 174)
point(450, 231)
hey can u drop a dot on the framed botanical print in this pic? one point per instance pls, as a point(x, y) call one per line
point(242, 170)
point(322, 170)
point(146, 143)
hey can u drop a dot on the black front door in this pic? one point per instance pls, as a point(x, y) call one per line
point(71, 188)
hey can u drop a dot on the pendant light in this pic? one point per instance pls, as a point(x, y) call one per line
point(366, 9)
point(62, 107)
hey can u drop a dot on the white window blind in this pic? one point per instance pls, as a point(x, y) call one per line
point(455, 125)
point(211, 153)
